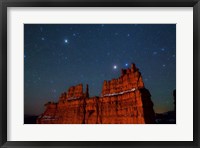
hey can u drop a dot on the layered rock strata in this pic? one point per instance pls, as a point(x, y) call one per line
point(124, 100)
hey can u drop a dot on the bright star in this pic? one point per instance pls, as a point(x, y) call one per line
point(126, 64)
point(66, 41)
point(115, 67)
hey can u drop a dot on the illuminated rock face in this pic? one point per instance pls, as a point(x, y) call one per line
point(123, 101)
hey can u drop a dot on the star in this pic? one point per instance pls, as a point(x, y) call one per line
point(42, 38)
point(128, 35)
point(115, 67)
point(54, 90)
point(126, 64)
point(66, 41)
point(162, 49)
point(155, 53)
point(163, 65)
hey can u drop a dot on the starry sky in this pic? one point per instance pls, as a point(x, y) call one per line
point(57, 56)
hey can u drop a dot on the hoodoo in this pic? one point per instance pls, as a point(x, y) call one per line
point(124, 100)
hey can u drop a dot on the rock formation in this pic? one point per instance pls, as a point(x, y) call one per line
point(124, 100)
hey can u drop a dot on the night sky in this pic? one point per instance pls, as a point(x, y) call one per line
point(58, 56)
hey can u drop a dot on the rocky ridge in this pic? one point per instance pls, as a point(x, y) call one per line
point(124, 100)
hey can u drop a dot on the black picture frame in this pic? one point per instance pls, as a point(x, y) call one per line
point(99, 3)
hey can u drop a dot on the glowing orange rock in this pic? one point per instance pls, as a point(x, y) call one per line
point(123, 101)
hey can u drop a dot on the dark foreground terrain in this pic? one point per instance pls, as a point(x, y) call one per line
point(166, 118)
point(30, 119)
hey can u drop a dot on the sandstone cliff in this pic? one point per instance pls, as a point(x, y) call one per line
point(124, 100)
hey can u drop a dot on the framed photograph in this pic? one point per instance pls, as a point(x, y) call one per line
point(100, 73)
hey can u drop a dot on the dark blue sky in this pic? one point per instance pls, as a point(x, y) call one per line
point(59, 56)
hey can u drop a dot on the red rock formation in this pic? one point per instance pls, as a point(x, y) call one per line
point(123, 101)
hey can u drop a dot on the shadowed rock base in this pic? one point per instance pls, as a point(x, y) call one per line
point(123, 101)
